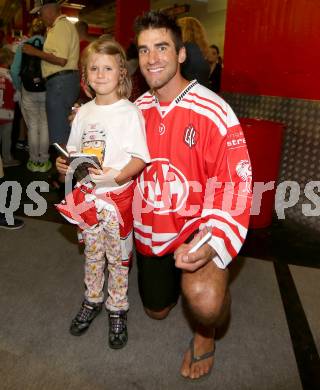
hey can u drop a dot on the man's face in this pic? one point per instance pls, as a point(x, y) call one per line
point(158, 59)
point(47, 14)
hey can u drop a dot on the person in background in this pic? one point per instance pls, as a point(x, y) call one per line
point(84, 38)
point(196, 65)
point(112, 128)
point(7, 106)
point(82, 29)
point(139, 85)
point(33, 102)
point(191, 133)
point(16, 223)
point(215, 62)
point(60, 57)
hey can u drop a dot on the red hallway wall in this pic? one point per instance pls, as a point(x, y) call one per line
point(272, 48)
point(126, 12)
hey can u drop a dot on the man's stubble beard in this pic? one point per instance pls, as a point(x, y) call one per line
point(158, 84)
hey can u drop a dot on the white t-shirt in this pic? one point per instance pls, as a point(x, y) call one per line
point(115, 133)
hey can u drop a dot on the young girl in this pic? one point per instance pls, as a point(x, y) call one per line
point(112, 128)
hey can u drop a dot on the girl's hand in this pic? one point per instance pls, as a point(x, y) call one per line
point(62, 166)
point(96, 171)
point(105, 177)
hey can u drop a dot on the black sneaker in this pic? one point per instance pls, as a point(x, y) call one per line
point(87, 313)
point(118, 334)
point(17, 223)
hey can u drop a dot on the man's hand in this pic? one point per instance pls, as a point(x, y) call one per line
point(62, 165)
point(29, 49)
point(193, 261)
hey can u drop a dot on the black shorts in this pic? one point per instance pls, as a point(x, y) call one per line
point(158, 280)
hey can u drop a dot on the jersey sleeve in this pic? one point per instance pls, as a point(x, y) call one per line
point(228, 192)
point(135, 141)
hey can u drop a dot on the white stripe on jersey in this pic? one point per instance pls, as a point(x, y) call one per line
point(156, 237)
point(234, 239)
point(214, 117)
point(143, 228)
point(148, 242)
point(242, 230)
point(219, 246)
point(148, 229)
point(147, 98)
point(145, 106)
point(212, 105)
point(143, 240)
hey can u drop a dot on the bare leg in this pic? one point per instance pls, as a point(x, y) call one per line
point(160, 314)
point(208, 301)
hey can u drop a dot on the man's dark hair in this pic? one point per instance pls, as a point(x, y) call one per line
point(158, 19)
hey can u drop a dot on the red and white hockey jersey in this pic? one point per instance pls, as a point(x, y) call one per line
point(6, 96)
point(200, 175)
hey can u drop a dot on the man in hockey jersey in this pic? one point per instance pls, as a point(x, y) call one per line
point(191, 186)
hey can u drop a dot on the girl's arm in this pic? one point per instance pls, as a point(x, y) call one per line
point(110, 177)
point(130, 170)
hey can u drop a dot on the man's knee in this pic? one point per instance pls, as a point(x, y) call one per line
point(158, 314)
point(206, 297)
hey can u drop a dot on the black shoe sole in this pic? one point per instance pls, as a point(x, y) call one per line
point(78, 333)
point(118, 346)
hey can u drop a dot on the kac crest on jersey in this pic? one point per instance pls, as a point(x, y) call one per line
point(163, 186)
point(190, 136)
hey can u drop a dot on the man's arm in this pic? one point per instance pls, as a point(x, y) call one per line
point(227, 198)
point(48, 57)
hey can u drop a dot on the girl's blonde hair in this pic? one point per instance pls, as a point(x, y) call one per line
point(108, 46)
point(193, 31)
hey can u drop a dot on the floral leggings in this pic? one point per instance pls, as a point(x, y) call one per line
point(101, 242)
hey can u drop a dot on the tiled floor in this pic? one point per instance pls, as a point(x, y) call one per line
point(289, 298)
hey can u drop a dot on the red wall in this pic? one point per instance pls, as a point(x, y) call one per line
point(126, 12)
point(272, 47)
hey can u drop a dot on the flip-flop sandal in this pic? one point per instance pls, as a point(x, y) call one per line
point(195, 359)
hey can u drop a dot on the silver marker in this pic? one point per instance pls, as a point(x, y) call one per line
point(199, 244)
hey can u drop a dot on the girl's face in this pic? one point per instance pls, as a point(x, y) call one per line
point(103, 74)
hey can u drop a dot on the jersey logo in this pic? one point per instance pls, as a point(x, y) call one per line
point(162, 128)
point(244, 171)
point(190, 136)
point(163, 186)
